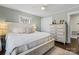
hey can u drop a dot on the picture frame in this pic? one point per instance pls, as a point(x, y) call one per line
point(24, 19)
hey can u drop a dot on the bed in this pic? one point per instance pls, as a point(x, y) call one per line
point(28, 44)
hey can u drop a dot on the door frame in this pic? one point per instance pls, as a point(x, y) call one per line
point(68, 16)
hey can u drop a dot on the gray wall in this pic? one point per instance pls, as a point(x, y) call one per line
point(12, 15)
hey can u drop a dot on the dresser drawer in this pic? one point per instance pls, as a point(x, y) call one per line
point(58, 34)
point(52, 30)
point(60, 29)
point(60, 26)
point(61, 39)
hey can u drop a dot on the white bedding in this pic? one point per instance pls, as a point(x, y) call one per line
point(33, 39)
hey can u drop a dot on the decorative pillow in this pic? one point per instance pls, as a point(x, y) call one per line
point(28, 29)
point(18, 30)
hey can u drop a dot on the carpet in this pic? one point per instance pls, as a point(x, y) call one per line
point(59, 51)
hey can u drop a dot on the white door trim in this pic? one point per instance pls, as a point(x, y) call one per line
point(68, 21)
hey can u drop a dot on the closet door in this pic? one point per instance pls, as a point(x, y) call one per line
point(45, 24)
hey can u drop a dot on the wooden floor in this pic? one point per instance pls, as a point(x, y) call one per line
point(73, 47)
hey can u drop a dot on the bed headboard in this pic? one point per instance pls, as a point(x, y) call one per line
point(12, 25)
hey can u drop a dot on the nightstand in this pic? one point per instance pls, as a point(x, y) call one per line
point(3, 32)
point(3, 43)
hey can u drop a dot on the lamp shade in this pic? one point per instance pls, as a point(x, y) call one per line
point(3, 28)
point(34, 27)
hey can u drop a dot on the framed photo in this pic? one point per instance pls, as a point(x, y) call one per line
point(24, 19)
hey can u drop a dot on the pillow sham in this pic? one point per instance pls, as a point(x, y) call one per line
point(18, 30)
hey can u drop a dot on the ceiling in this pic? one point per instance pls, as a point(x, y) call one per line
point(35, 9)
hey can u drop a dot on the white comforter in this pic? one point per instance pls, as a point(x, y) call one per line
point(15, 40)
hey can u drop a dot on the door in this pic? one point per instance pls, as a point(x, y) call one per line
point(45, 24)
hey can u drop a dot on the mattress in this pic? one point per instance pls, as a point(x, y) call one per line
point(26, 41)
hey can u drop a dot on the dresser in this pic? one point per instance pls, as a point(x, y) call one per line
point(58, 31)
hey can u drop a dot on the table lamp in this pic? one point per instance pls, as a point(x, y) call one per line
point(34, 27)
point(3, 28)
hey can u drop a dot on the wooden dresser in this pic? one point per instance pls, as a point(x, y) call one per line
point(58, 31)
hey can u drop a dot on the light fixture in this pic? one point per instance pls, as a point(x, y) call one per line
point(43, 7)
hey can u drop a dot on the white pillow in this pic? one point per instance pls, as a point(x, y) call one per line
point(18, 30)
